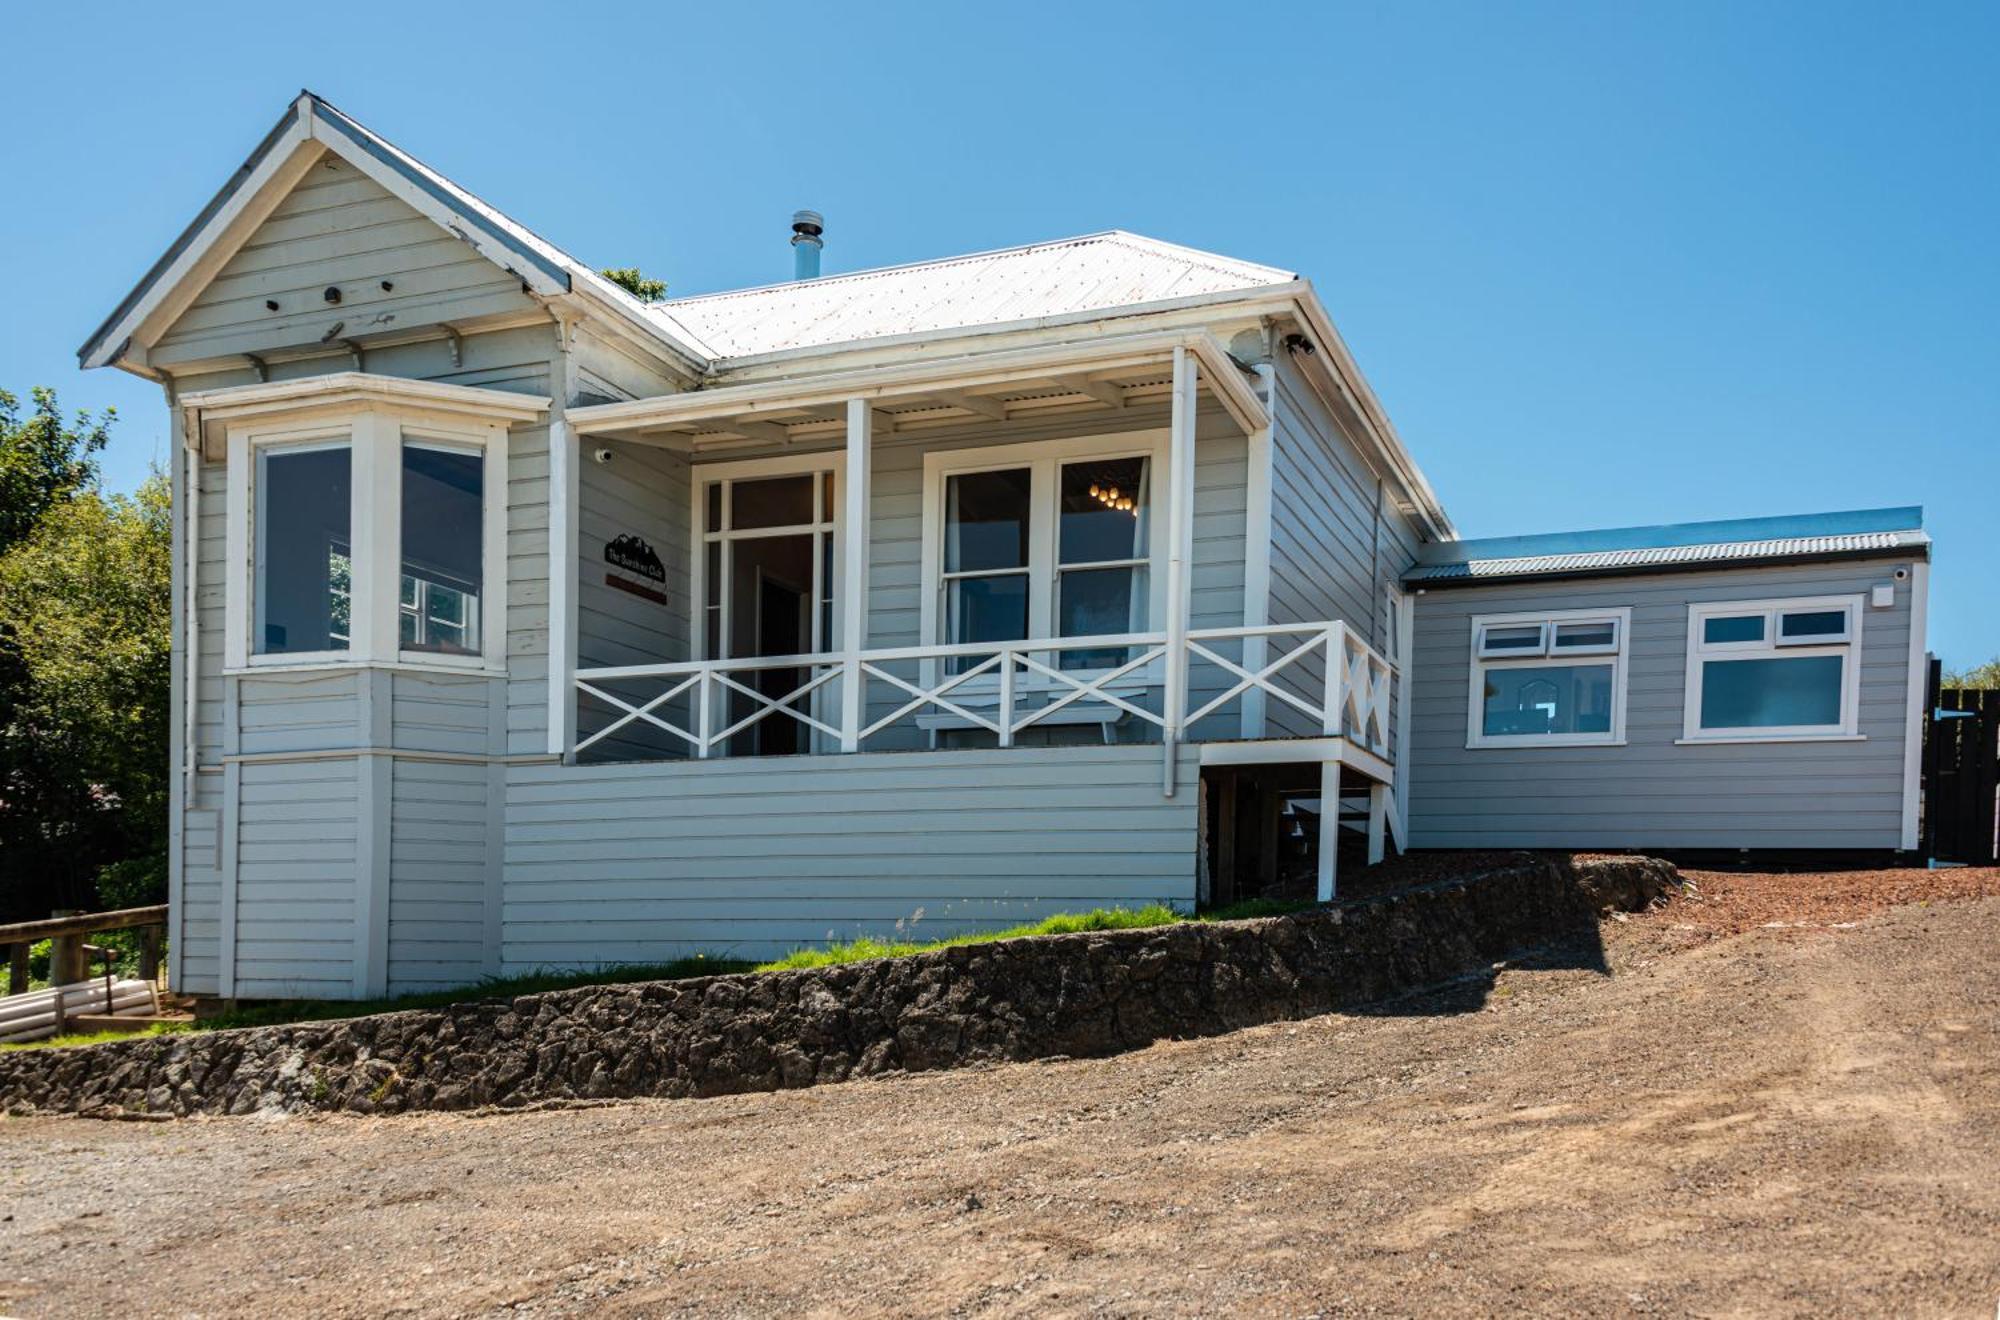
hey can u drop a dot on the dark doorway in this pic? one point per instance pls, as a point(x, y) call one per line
point(781, 630)
point(1262, 831)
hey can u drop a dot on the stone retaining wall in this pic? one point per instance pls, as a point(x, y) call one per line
point(1076, 995)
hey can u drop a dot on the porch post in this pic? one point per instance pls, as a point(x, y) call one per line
point(854, 570)
point(1180, 524)
point(563, 514)
point(1378, 819)
point(1329, 828)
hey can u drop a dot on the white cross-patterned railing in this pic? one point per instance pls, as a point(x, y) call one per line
point(709, 686)
point(1006, 688)
point(1351, 698)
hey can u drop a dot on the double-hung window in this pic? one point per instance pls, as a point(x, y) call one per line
point(1773, 669)
point(1043, 540)
point(1548, 679)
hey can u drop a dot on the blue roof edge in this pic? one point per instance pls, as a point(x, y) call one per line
point(1716, 532)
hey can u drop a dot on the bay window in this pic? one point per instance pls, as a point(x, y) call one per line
point(1773, 670)
point(365, 537)
point(1548, 679)
point(1053, 539)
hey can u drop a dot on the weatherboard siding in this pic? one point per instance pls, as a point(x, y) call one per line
point(642, 491)
point(337, 228)
point(295, 885)
point(1652, 793)
point(1337, 541)
point(439, 874)
point(751, 858)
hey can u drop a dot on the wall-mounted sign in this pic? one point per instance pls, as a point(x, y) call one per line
point(635, 567)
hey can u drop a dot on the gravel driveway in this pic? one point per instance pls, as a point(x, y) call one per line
point(1790, 1118)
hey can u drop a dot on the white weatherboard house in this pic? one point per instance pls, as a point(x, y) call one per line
point(523, 624)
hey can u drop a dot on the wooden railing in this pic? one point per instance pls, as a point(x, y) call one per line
point(1006, 688)
point(45, 1012)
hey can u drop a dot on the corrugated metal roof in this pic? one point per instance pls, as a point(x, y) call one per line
point(1722, 552)
point(1093, 273)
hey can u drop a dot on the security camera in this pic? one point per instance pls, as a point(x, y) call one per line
point(601, 454)
point(1902, 574)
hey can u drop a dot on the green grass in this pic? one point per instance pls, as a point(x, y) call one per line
point(1062, 923)
point(1258, 907)
point(97, 1037)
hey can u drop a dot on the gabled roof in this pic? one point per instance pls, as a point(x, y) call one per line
point(1095, 272)
point(542, 267)
point(1856, 533)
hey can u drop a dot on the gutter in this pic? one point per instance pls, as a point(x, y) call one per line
point(1921, 552)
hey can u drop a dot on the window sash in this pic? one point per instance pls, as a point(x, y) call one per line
point(339, 545)
point(1046, 462)
point(1548, 650)
point(1774, 648)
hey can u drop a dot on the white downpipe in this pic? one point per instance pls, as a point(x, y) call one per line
point(1257, 548)
point(1180, 485)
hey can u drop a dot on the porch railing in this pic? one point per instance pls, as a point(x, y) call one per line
point(1007, 688)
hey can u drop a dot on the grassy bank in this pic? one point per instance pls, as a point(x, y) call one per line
point(851, 951)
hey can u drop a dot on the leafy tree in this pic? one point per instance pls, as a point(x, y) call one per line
point(1979, 676)
point(42, 461)
point(85, 592)
point(634, 281)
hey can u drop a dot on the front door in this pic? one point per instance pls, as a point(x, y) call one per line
point(767, 565)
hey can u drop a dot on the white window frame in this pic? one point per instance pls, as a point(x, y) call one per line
point(374, 436)
point(699, 539)
point(1044, 459)
point(1618, 656)
point(1773, 647)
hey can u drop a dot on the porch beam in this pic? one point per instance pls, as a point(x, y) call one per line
point(993, 410)
point(751, 429)
point(923, 379)
point(1106, 393)
point(854, 568)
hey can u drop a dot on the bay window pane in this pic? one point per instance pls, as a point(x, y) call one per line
point(304, 539)
point(986, 522)
point(1547, 699)
point(1784, 692)
point(1102, 511)
point(443, 549)
point(1733, 628)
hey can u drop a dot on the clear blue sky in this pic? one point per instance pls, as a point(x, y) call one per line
point(1605, 264)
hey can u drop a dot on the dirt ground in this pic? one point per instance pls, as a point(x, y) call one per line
point(1784, 1098)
